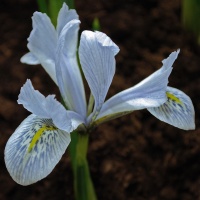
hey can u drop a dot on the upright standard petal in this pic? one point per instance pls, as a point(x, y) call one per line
point(151, 92)
point(67, 69)
point(34, 149)
point(178, 110)
point(97, 57)
point(65, 15)
point(107, 42)
point(49, 108)
point(42, 42)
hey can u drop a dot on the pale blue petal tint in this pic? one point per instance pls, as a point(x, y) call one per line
point(42, 42)
point(97, 57)
point(65, 15)
point(151, 92)
point(33, 100)
point(178, 110)
point(34, 149)
point(30, 59)
point(168, 62)
point(67, 69)
point(104, 40)
point(64, 119)
point(49, 108)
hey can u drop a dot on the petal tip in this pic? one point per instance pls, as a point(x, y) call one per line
point(177, 111)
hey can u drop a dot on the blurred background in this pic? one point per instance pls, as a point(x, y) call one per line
point(134, 157)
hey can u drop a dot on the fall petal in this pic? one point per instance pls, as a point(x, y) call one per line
point(49, 108)
point(34, 149)
point(151, 92)
point(178, 110)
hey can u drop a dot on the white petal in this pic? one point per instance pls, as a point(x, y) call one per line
point(97, 57)
point(64, 119)
point(33, 100)
point(177, 111)
point(168, 62)
point(67, 69)
point(148, 93)
point(107, 42)
point(34, 149)
point(42, 42)
point(48, 107)
point(30, 59)
point(65, 15)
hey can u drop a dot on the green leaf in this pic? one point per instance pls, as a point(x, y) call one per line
point(191, 15)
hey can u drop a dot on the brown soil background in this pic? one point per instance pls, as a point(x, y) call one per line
point(136, 157)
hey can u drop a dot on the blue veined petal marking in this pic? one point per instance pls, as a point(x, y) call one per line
point(34, 149)
point(178, 110)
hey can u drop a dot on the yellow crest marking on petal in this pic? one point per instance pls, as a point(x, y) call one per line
point(173, 98)
point(38, 135)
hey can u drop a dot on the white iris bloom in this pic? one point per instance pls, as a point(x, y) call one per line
point(42, 138)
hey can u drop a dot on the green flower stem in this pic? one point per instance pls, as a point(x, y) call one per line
point(72, 148)
point(83, 185)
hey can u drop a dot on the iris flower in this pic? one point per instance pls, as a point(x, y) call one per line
point(41, 139)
